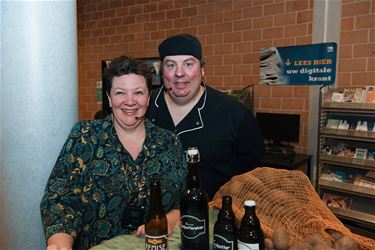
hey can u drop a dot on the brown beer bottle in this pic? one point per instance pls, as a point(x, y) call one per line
point(194, 208)
point(156, 226)
point(250, 236)
point(224, 230)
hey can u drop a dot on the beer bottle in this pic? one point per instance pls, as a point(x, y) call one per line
point(194, 208)
point(156, 226)
point(224, 230)
point(251, 235)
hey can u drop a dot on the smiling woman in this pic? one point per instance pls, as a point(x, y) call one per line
point(101, 179)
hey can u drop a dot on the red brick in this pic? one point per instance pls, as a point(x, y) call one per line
point(263, 22)
point(223, 27)
point(273, 33)
point(303, 40)
point(367, 21)
point(214, 60)
point(284, 42)
point(206, 29)
point(261, 44)
point(252, 35)
point(365, 50)
point(305, 16)
point(179, 23)
point(172, 14)
point(364, 78)
point(293, 104)
point(222, 6)
point(241, 4)
point(285, 19)
point(232, 59)
point(248, 58)
point(347, 24)
point(350, 65)
point(223, 70)
point(242, 70)
point(352, 37)
point(150, 7)
point(165, 5)
point(232, 37)
point(142, 18)
point(232, 15)
point(215, 18)
point(343, 78)
point(165, 25)
point(354, 9)
point(296, 30)
point(371, 64)
point(242, 47)
point(297, 5)
point(188, 12)
point(273, 9)
point(223, 49)
point(252, 12)
point(270, 103)
point(283, 91)
point(206, 9)
point(215, 39)
point(197, 20)
point(242, 25)
point(158, 16)
point(346, 51)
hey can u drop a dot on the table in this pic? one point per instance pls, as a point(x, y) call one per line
point(131, 242)
point(296, 163)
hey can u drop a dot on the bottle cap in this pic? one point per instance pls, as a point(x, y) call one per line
point(192, 151)
point(226, 198)
point(249, 203)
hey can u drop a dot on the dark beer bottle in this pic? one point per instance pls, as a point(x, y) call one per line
point(156, 226)
point(250, 235)
point(224, 230)
point(194, 208)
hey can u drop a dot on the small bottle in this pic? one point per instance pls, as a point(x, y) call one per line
point(194, 208)
point(156, 226)
point(250, 235)
point(224, 230)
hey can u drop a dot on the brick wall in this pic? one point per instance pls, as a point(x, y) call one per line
point(357, 44)
point(231, 32)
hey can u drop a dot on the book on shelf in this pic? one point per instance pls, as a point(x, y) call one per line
point(370, 155)
point(337, 97)
point(360, 153)
point(359, 95)
point(370, 94)
point(362, 181)
point(349, 94)
point(332, 123)
point(343, 124)
point(361, 126)
point(338, 201)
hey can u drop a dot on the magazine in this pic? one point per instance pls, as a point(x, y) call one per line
point(349, 94)
point(332, 123)
point(370, 94)
point(337, 201)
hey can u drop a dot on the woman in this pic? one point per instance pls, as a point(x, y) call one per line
point(99, 185)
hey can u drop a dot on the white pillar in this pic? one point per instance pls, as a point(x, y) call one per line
point(326, 28)
point(39, 104)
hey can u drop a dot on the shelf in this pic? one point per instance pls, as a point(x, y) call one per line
point(353, 215)
point(349, 162)
point(349, 107)
point(347, 188)
point(348, 134)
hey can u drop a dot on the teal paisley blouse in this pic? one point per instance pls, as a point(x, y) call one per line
point(95, 178)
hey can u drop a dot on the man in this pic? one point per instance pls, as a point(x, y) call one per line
point(227, 135)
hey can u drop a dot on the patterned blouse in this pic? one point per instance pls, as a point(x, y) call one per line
point(95, 179)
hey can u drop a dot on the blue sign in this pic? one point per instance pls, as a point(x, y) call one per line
point(313, 64)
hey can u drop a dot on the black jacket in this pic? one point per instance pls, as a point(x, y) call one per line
point(224, 130)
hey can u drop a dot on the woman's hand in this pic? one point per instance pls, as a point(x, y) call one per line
point(173, 218)
point(60, 241)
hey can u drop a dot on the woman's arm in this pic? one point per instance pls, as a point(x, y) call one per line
point(173, 218)
point(60, 241)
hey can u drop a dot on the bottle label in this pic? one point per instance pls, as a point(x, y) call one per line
point(222, 243)
point(192, 227)
point(247, 246)
point(156, 242)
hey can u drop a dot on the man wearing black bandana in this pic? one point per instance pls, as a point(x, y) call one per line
point(224, 130)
